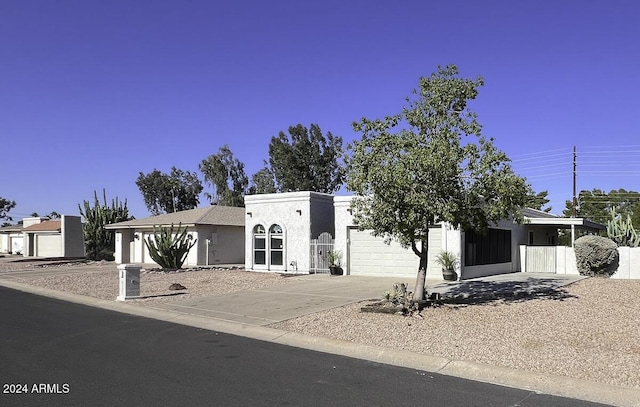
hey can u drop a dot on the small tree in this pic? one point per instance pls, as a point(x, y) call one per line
point(430, 164)
point(99, 242)
point(5, 206)
point(170, 247)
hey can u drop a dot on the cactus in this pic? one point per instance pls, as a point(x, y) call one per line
point(99, 242)
point(622, 231)
point(170, 247)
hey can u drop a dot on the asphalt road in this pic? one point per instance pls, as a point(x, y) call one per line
point(56, 353)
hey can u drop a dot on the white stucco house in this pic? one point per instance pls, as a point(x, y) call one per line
point(219, 231)
point(281, 229)
point(11, 239)
point(41, 237)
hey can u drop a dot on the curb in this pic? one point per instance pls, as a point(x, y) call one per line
point(536, 382)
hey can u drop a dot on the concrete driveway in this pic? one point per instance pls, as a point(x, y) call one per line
point(316, 293)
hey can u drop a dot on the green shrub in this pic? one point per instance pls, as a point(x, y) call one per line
point(596, 256)
point(170, 247)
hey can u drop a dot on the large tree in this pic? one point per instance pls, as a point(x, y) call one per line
point(306, 160)
point(538, 201)
point(225, 174)
point(597, 205)
point(430, 164)
point(262, 182)
point(167, 193)
point(5, 206)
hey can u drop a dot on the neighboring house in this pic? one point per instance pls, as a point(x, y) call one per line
point(11, 239)
point(219, 231)
point(281, 228)
point(42, 237)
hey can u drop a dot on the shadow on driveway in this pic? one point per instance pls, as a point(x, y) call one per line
point(517, 289)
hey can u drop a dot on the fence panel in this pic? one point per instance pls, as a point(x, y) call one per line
point(540, 259)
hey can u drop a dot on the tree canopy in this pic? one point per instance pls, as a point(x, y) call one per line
point(430, 164)
point(225, 174)
point(167, 193)
point(598, 204)
point(306, 160)
point(262, 182)
point(5, 206)
point(538, 201)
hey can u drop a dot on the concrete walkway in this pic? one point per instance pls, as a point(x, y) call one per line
point(247, 313)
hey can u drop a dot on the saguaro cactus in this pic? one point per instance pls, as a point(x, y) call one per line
point(170, 247)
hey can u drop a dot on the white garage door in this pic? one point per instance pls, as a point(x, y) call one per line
point(15, 244)
point(370, 256)
point(48, 245)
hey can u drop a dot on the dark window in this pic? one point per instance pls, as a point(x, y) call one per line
point(491, 248)
point(276, 246)
point(259, 245)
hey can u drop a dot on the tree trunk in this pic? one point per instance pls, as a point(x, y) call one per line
point(421, 279)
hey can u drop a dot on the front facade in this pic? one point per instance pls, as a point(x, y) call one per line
point(11, 239)
point(41, 237)
point(282, 228)
point(219, 231)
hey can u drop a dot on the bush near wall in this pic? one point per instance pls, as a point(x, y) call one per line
point(596, 256)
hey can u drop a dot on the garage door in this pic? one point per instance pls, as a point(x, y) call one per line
point(371, 256)
point(48, 246)
point(15, 244)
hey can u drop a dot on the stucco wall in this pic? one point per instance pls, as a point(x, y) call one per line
point(72, 236)
point(4, 242)
point(293, 212)
point(628, 268)
point(342, 219)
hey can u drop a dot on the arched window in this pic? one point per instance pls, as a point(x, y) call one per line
point(259, 245)
point(276, 247)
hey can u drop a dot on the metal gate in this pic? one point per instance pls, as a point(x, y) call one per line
point(320, 249)
point(540, 259)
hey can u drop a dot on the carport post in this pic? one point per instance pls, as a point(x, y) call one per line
point(129, 275)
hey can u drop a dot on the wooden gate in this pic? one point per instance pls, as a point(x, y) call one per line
point(540, 259)
point(320, 249)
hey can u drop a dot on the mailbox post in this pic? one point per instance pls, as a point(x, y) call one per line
point(129, 275)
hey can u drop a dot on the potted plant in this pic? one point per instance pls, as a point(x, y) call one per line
point(449, 261)
point(334, 258)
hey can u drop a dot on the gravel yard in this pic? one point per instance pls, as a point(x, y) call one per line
point(592, 333)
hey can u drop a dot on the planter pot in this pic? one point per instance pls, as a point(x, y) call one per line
point(449, 275)
point(336, 270)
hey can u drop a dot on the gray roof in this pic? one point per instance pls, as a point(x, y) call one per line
point(211, 215)
point(535, 213)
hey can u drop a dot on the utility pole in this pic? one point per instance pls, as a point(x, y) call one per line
point(575, 199)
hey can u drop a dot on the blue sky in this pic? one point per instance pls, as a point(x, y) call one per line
point(93, 92)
